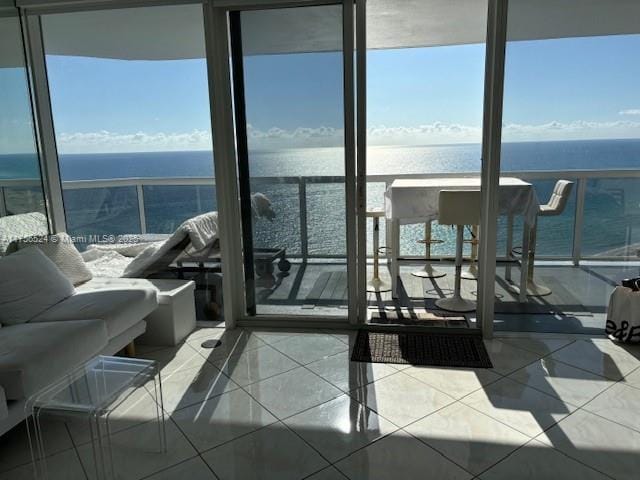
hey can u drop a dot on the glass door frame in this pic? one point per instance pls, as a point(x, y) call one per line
point(242, 315)
point(495, 46)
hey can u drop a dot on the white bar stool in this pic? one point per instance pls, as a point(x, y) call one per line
point(376, 284)
point(459, 208)
point(554, 207)
point(428, 271)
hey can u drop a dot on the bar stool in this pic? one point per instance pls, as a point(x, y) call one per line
point(428, 271)
point(554, 207)
point(376, 284)
point(459, 208)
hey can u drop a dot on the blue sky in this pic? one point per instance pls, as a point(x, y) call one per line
point(554, 90)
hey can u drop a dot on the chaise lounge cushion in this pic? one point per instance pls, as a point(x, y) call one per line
point(32, 355)
point(119, 308)
point(30, 284)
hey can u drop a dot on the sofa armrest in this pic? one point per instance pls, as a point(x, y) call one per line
point(4, 409)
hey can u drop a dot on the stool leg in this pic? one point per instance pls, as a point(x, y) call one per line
point(376, 284)
point(428, 271)
point(459, 245)
point(395, 253)
point(507, 272)
point(534, 289)
point(471, 273)
point(457, 303)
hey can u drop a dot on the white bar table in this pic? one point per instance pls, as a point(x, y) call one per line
point(410, 201)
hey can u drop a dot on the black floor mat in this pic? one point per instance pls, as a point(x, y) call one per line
point(455, 350)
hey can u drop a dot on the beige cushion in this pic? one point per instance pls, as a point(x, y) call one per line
point(33, 355)
point(119, 308)
point(59, 248)
point(30, 283)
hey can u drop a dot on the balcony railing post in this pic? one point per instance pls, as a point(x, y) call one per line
point(3, 204)
point(143, 218)
point(302, 199)
point(579, 220)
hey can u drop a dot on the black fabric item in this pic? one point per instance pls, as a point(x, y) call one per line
point(442, 350)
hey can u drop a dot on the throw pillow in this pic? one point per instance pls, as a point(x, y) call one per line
point(30, 283)
point(59, 248)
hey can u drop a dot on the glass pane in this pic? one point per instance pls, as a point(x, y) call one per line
point(131, 107)
point(130, 103)
point(570, 113)
point(612, 218)
point(98, 215)
point(20, 183)
point(293, 76)
point(425, 79)
point(167, 206)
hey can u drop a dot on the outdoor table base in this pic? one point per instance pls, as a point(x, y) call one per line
point(90, 393)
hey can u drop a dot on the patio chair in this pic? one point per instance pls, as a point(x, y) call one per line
point(555, 206)
point(459, 208)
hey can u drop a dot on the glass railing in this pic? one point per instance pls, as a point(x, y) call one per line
point(601, 220)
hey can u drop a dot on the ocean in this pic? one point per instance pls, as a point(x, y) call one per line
point(612, 207)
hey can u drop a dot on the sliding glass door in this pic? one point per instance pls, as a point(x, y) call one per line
point(289, 86)
point(425, 79)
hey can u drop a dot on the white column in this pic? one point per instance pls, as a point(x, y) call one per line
point(491, 144)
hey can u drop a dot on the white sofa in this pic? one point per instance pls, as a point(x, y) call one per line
point(36, 352)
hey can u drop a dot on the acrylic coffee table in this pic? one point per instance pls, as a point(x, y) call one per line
point(90, 393)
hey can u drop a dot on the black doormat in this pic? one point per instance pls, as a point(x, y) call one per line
point(421, 349)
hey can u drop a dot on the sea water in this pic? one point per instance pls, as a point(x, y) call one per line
point(612, 208)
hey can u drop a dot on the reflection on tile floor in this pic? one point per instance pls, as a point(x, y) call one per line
point(291, 405)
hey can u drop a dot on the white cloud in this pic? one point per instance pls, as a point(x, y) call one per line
point(437, 132)
point(631, 111)
point(105, 142)
point(577, 130)
point(275, 137)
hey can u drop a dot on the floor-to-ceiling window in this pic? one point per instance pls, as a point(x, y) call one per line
point(425, 80)
point(571, 113)
point(130, 105)
point(20, 183)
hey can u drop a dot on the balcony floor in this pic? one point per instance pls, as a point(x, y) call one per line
point(577, 304)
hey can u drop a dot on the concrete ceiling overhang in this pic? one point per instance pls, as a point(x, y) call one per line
point(176, 32)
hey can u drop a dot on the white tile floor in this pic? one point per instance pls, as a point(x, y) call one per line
point(291, 405)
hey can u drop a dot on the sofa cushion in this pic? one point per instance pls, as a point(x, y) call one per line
point(30, 283)
point(119, 308)
point(32, 355)
point(59, 248)
point(23, 225)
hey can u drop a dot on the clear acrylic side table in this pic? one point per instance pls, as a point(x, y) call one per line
point(91, 392)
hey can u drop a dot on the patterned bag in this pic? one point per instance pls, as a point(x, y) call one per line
point(623, 316)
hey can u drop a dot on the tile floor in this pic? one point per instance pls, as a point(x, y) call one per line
point(291, 405)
